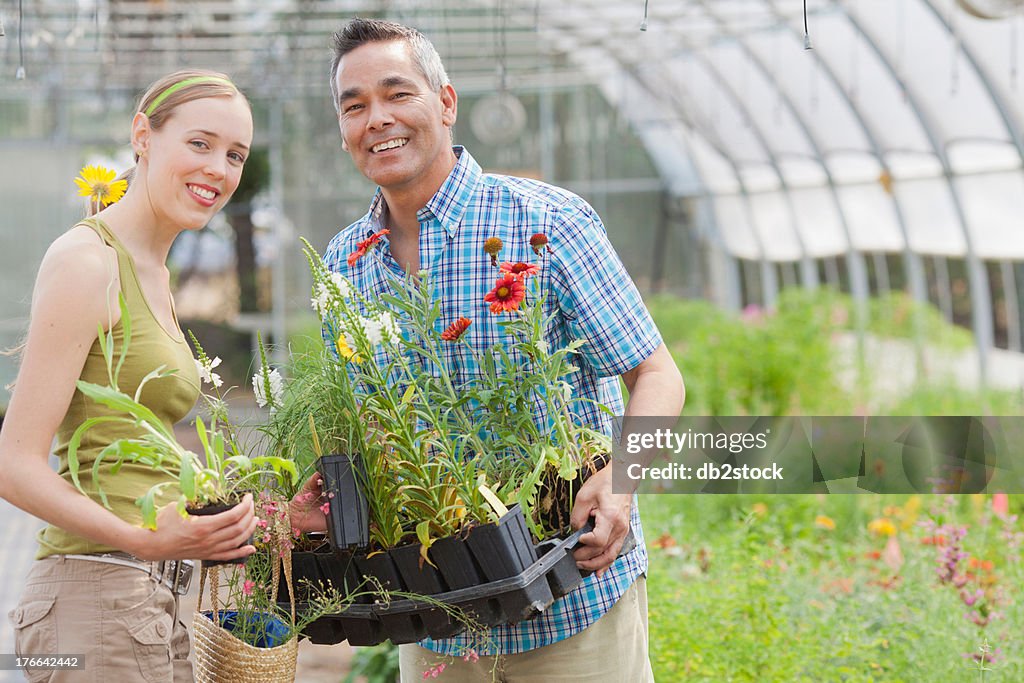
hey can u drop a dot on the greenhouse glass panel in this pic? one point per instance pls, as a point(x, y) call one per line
point(871, 218)
point(733, 215)
point(773, 220)
point(994, 206)
point(933, 225)
point(821, 226)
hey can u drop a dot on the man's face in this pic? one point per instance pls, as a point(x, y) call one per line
point(396, 128)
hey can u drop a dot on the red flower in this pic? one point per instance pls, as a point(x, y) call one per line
point(520, 270)
point(364, 247)
point(456, 329)
point(507, 294)
point(538, 241)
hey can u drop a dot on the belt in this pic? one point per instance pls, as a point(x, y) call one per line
point(175, 574)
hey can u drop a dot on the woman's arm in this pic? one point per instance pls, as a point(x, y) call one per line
point(73, 297)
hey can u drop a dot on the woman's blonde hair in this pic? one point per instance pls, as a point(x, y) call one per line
point(173, 90)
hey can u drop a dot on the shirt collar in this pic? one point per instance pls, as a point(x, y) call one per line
point(450, 201)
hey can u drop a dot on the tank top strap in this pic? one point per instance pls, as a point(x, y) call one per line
point(130, 286)
point(104, 232)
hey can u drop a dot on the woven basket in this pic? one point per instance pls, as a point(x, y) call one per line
point(220, 657)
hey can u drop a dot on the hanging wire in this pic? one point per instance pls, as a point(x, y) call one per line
point(1013, 52)
point(20, 73)
point(954, 62)
point(643, 24)
point(502, 46)
point(807, 34)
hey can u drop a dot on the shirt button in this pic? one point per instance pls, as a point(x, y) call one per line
point(18, 614)
point(161, 630)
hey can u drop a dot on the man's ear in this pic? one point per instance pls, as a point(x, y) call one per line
point(449, 105)
point(141, 133)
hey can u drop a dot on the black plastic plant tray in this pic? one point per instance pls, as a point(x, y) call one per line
point(509, 601)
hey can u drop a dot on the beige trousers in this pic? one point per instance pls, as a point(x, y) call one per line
point(612, 650)
point(124, 623)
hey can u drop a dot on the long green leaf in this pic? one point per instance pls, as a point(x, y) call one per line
point(112, 398)
point(76, 441)
point(187, 479)
point(126, 328)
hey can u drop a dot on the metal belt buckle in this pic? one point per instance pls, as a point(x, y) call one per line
point(182, 571)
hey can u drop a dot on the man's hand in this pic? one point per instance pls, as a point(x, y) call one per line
point(611, 521)
point(304, 508)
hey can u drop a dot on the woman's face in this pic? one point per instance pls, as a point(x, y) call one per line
point(193, 163)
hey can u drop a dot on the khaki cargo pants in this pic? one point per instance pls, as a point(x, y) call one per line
point(611, 650)
point(123, 622)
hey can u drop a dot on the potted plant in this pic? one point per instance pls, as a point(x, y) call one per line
point(206, 484)
point(442, 458)
point(251, 629)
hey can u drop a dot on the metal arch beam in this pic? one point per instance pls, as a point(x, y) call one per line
point(769, 282)
point(854, 259)
point(734, 295)
point(809, 274)
point(1012, 127)
point(608, 87)
point(981, 303)
point(528, 15)
point(912, 262)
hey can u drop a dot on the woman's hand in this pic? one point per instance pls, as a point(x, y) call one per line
point(224, 536)
point(305, 507)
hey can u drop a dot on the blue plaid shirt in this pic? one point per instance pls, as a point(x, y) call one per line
point(587, 288)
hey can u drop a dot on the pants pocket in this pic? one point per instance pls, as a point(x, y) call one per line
point(151, 643)
point(35, 632)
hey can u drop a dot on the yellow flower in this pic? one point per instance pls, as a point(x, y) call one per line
point(882, 526)
point(824, 522)
point(346, 351)
point(98, 184)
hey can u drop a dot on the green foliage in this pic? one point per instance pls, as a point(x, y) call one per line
point(783, 361)
point(765, 363)
point(747, 588)
point(377, 664)
point(435, 445)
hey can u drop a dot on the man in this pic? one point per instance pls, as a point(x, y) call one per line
point(396, 109)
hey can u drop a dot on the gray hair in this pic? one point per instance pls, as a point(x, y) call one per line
point(359, 32)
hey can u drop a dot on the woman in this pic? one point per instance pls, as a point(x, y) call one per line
point(103, 586)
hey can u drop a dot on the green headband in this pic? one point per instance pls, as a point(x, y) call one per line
point(184, 84)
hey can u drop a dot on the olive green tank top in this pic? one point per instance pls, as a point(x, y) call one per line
point(171, 398)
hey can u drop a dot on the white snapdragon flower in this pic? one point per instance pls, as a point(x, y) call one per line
point(206, 372)
point(259, 385)
point(323, 296)
point(373, 329)
point(392, 330)
point(342, 284)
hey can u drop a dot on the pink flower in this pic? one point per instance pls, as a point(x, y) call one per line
point(1001, 504)
point(248, 586)
point(267, 538)
point(434, 671)
point(261, 523)
point(471, 656)
point(326, 508)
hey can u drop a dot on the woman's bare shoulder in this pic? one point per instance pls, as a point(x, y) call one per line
point(79, 272)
